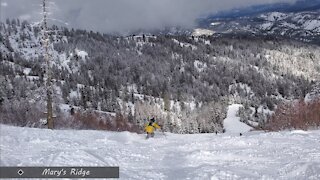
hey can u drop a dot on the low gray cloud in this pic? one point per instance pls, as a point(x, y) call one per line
point(123, 15)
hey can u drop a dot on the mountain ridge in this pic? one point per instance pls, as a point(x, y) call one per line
point(298, 6)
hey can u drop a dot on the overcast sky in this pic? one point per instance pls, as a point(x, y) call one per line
point(122, 15)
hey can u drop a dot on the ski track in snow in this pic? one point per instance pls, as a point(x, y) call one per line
point(255, 155)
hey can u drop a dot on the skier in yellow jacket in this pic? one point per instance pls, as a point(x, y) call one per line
point(150, 128)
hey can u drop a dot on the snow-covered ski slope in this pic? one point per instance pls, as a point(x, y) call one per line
point(232, 123)
point(255, 155)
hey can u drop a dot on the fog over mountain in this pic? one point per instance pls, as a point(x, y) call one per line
point(122, 16)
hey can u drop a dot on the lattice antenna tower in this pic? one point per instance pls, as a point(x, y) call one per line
point(48, 62)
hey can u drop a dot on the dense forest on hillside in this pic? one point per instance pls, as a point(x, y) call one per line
point(185, 81)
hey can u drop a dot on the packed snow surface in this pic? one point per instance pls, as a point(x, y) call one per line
point(255, 155)
point(232, 123)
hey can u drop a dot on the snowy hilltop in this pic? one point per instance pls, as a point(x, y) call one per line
point(254, 155)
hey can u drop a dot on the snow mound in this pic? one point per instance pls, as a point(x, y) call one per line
point(299, 132)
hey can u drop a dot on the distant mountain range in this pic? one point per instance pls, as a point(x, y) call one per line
point(303, 26)
point(299, 20)
point(298, 6)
